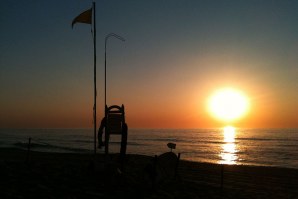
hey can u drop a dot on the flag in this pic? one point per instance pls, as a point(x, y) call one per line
point(84, 17)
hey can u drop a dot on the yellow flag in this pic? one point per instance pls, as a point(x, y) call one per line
point(84, 17)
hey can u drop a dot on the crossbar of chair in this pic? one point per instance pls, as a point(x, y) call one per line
point(115, 111)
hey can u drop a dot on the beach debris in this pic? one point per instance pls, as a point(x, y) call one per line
point(171, 145)
point(163, 168)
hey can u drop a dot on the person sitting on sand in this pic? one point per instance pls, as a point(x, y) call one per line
point(100, 132)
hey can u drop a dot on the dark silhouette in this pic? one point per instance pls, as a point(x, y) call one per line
point(163, 167)
point(171, 146)
point(100, 132)
point(113, 123)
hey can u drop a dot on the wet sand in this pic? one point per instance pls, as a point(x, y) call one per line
point(59, 175)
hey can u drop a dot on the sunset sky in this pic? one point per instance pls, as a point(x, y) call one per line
point(176, 55)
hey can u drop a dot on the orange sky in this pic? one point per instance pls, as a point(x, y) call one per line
point(175, 56)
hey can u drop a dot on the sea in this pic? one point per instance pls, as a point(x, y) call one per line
point(228, 145)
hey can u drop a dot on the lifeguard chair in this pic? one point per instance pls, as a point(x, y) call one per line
point(115, 124)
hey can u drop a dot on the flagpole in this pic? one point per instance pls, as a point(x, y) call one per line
point(95, 91)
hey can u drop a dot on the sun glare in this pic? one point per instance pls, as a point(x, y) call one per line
point(229, 149)
point(228, 104)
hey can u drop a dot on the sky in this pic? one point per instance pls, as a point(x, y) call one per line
point(176, 55)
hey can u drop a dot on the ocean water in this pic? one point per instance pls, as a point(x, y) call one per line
point(266, 147)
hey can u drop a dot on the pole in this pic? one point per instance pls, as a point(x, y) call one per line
point(222, 176)
point(95, 92)
point(106, 40)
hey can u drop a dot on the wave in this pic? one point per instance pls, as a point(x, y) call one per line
point(130, 143)
point(160, 139)
point(49, 147)
point(183, 141)
point(83, 141)
point(135, 144)
point(266, 139)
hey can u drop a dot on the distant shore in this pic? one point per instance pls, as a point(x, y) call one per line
point(63, 175)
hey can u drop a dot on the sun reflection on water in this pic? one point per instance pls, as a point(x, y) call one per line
point(228, 152)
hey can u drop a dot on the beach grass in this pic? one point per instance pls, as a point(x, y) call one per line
point(72, 175)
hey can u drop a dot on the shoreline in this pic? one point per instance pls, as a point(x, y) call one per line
point(90, 152)
point(72, 175)
point(259, 148)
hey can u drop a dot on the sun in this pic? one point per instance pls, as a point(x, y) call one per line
point(228, 104)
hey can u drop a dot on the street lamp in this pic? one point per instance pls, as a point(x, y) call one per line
point(106, 40)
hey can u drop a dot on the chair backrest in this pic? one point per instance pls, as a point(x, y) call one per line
point(115, 119)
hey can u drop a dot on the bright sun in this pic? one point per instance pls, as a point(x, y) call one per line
point(228, 104)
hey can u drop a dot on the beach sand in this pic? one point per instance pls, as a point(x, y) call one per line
point(58, 175)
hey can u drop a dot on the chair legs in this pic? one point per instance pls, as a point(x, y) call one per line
point(123, 142)
point(122, 147)
point(107, 140)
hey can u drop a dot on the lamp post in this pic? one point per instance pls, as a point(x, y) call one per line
point(106, 40)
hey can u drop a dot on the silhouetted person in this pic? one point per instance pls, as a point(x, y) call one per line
point(100, 132)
